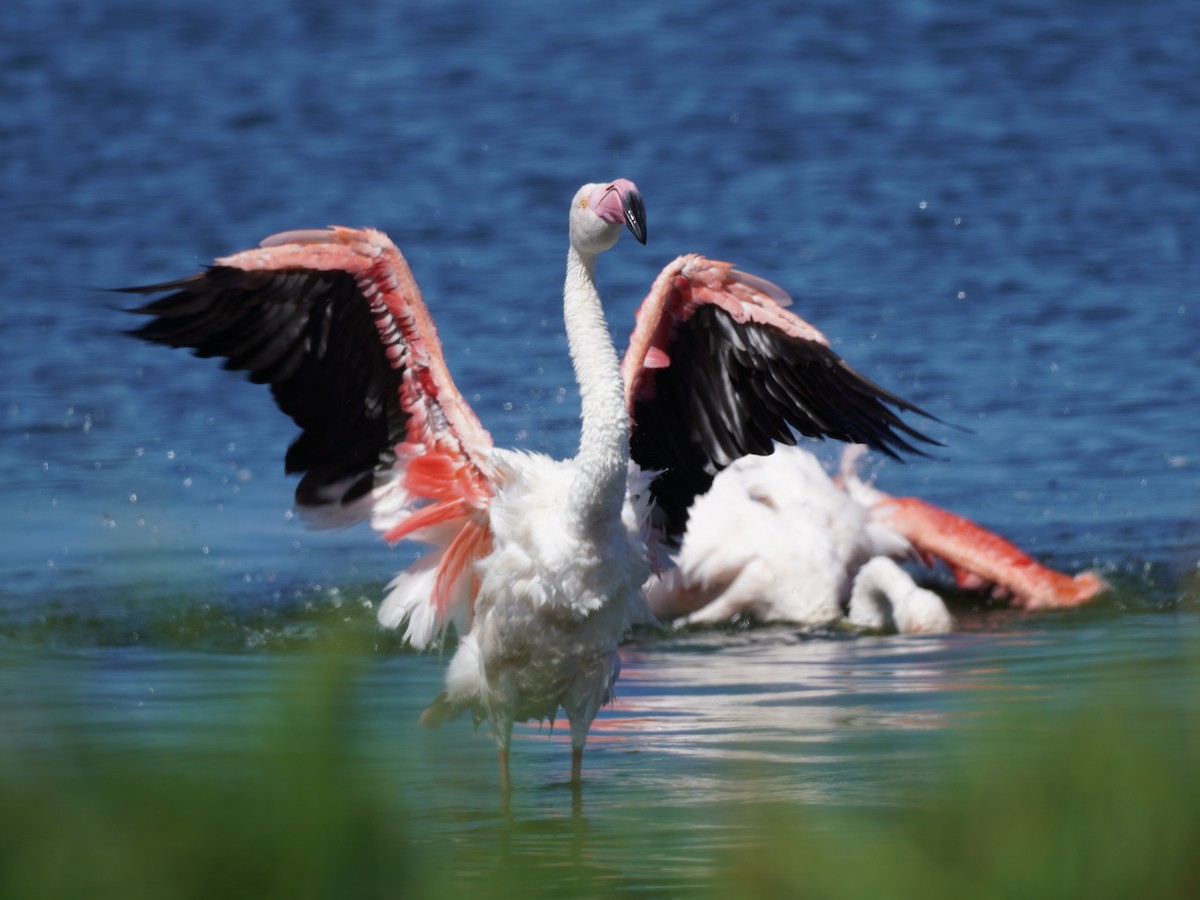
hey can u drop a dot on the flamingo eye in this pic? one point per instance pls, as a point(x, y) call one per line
point(583, 203)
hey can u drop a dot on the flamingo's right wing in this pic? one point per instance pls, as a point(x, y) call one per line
point(334, 322)
point(980, 558)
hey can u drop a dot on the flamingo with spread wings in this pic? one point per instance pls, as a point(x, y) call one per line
point(540, 563)
point(718, 372)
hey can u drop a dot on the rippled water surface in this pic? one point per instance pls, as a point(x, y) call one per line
point(990, 208)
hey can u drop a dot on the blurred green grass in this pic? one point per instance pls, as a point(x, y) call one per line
point(1100, 801)
point(1098, 797)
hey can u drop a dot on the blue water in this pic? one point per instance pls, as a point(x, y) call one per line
point(990, 208)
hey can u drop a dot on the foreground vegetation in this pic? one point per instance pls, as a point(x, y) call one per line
point(1099, 799)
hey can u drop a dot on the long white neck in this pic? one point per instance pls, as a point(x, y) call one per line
point(598, 490)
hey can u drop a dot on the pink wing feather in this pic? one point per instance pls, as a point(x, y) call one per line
point(334, 321)
point(979, 557)
point(717, 369)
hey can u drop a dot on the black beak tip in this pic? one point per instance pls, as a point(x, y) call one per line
point(635, 215)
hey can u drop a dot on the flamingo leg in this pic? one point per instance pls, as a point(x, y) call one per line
point(505, 785)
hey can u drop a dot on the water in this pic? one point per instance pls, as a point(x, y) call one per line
point(989, 208)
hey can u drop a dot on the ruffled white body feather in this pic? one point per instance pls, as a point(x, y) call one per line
point(777, 539)
point(555, 599)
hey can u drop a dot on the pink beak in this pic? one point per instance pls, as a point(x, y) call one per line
point(621, 201)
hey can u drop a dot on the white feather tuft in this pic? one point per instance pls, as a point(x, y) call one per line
point(465, 676)
point(863, 491)
point(386, 505)
point(408, 600)
point(389, 502)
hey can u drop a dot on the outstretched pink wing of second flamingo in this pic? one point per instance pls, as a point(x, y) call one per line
point(981, 558)
point(334, 321)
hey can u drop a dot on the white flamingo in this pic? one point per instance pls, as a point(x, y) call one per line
point(779, 540)
point(540, 563)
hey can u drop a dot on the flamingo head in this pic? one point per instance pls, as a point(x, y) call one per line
point(599, 210)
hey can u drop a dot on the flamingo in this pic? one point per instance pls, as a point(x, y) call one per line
point(540, 564)
point(778, 539)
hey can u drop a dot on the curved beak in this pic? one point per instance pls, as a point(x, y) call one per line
point(634, 209)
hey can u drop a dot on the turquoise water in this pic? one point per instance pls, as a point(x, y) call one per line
point(991, 210)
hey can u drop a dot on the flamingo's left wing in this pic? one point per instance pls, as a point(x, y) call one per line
point(334, 322)
point(717, 369)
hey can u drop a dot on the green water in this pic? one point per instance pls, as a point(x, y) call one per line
point(1052, 754)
